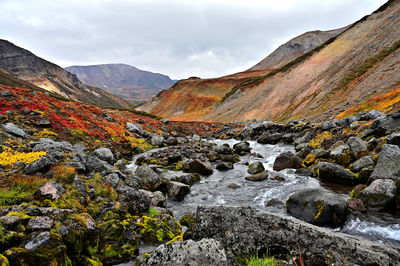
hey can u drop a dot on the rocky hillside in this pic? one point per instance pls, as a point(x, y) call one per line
point(25, 65)
point(347, 72)
point(295, 48)
point(127, 82)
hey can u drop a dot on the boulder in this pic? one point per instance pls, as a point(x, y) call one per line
point(40, 223)
point(156, 198)
point(225, 149)
point(287, 160)
point(157, 140)
point(12, 129)
point(317, 206)
point(42, 164)
point(150, 179)
point(104, 154)
point(177, 191)
point(258, 177)
point(111, 179)
point(248, 232)
point(255, 168)
point(336, 174)
point(50, 146)
point(51, 190)
point(379, 193)
point(270, 138)
point(242, 147)
point(361, 163)
point(189, 252)
point(93, 164)
point(341, 154)
point(172, 141)
point(358, 147)
point(198, 166)
point(224, 166)
point(185, 178)
point(135, 201)
point(388, 166)
point(135, 128)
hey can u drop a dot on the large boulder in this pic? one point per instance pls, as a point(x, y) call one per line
point(198, 166)
point(150, 179)
point(361, 163)
point(255, 168)
point(270, 138)
point(189, 252)
point(135, 202)
point(388, 166)
point(336, 174)
point(135, 128)
point(242, 147)
point(247, 232)
point(41, 165)
point(185, 178)
point(157, 140)
point(341, 154)
point(177, 191)
point(12, 129)
point(104, 154)
point(40, 223)
point(258, 177)
point(379, 193)
point(287, 160)
point(52, 147)
point(358, 147)
point(317, 206)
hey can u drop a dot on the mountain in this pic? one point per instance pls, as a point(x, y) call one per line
point(26, 66)
point(122, 80)
point(357, 70)
point(296, 47)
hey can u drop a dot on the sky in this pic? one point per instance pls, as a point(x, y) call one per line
point(179, 38)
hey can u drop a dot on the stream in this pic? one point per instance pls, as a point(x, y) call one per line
point(230, 188)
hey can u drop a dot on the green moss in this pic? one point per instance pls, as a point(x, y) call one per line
point(159, 228)
point(320, 207)
point(3, 261)
point(188, 220)
point(111, 216)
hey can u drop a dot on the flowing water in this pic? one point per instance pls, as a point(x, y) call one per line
point(230, 188)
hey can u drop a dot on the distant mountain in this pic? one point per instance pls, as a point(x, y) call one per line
point(26, 66)
point(296, 47)
point(122, 80)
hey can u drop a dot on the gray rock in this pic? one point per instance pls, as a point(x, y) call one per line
point(42, 122)
point(287, 160)
point(303, 139)
point(196, 138)
point(388, 166)
point(247, 232)
point(317, 206)
point(39, 240)
point(328, 125)
point(156, 198)
point(177, 191)
point(358, 147)
point(40, 223)
point(172, 141)
point(135, 201)
point(361, 163)
point(394, 139)
point(379, 193)
point(189, 252)
point(185, 178)
point(51, 190)
point(336, 174)
point(50, 146)
point(9, 222)
point(150, 179)
point(225, 149)
point(111, 179)
point(12, 129)
point(270, 138)
point(42, 164)
point(6, 94)
point(242, 147)
point(94, 164)
point(135, 128)
point(165, 121)
point(224, 166)
point(108, 117)
point(157, 140)
point(255, 168)
point(104, 154)
point(198, 166)
point(258, 177)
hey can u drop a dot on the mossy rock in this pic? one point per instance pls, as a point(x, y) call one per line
point(4, 261)
point(188, 220)
point(159, 228)
point(118, 241)
point(44, 249)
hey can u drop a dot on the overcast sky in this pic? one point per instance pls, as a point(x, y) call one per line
point(179, 38)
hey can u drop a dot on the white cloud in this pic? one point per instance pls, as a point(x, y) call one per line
point(179, 38)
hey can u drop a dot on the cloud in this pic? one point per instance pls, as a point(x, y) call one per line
point(176, 37)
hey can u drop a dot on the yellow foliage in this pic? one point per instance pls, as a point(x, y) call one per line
point(45, 134)
point(134, 142)
point(9, 157)
point(320, 139)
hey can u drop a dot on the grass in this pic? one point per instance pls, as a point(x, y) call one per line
point(253, 81)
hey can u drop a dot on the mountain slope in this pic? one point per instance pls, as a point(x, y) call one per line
point(359, 64)
point(296, 47)
point(25, 65)
point(192, 99)
point(123, 80)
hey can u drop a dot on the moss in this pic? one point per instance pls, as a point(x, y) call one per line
point(320, 207)
point(187, 220)
point(4, 261)
point(159, 228)
point(21, 215)
point(111, 216)
point(320, 139)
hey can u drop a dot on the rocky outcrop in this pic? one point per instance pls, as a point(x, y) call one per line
point(246, 232)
